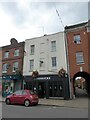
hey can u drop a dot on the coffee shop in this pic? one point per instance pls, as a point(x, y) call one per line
point(48, 86)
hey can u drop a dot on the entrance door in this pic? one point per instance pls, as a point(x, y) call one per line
point(50, 89)
point(60, 90)
point(41, 89)
point(55, 87)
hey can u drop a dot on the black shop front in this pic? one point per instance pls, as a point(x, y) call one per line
point(48, 86)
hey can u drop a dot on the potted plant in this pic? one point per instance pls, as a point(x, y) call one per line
point(35, 74)
point(62, 73)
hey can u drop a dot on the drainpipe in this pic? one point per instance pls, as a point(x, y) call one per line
point(68, 69)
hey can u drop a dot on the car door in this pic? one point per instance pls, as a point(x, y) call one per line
point(23, 96)
point(16, 97)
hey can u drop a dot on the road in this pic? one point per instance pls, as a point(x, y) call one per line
point(0, 110)
point(40, 111)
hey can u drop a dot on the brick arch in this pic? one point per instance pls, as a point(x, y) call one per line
point(84, 75)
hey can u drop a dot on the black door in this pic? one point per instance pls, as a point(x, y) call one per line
point(50, 85)
point(60, 89)
point(41, 89)
point(55, 87)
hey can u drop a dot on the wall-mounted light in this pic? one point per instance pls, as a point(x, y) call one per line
point(41, 62)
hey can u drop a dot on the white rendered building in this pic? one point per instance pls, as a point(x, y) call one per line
point(47, 55)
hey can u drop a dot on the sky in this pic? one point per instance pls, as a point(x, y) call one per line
point(24, 19)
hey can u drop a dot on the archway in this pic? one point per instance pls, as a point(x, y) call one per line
point(82, 76)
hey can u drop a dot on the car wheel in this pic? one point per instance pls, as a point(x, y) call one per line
point(27, 103)
point(7, 101)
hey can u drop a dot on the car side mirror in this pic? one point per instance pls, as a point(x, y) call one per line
point(13, 94)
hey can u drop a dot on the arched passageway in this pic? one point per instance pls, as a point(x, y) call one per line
point(85, 78)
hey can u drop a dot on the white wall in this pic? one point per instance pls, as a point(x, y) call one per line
point(60, 54)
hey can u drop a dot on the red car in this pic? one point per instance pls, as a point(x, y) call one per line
point(26, 97)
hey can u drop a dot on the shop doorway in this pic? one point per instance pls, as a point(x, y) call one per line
point(56, 89)
point(41, 89)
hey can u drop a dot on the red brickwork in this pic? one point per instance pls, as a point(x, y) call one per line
point(11, 59)
point(74, 47)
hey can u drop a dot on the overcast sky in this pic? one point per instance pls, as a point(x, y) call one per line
point(23, 19)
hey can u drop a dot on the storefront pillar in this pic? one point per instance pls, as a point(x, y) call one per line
point(47, 90)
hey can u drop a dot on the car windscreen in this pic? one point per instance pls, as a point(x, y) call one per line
point(32, 93)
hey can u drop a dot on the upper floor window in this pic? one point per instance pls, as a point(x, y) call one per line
point(42, 48)
point(32, 49)
point(31, 65)
point(42, 64)
point(6, 54)
point(16, 52)
point(77, 39)
point(53, 46)
point(79, 58)
point(5, 67)
point(54, 64)
point(15, 66)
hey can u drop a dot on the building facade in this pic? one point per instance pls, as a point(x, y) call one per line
point(0, 69)
point(44, 58)
point(78, 46)
point(12, 65)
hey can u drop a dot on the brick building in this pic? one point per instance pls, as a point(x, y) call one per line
point(12, 65)
point(78, 47)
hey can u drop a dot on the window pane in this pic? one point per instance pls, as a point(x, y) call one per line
point(15, 66)
point(31, 65)
point(53, 61)
point(79, 57)
point(32, 47)
point(5, 67)
point(53, 46)
point(6, 54)
point(77, 39)
point(16, 53)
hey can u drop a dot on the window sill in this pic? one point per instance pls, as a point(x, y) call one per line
point(80, 63)
point(4, 71)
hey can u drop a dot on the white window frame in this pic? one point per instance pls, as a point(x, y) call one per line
point(4, 68)
point(31, 64)
point(79, 58)
point(53, 46)
point(77, 39)
point(16, 52)
point(15, 66)
point(54, 62)
point(6, 54)
point(32, 49)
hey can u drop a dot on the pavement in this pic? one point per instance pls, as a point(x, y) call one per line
point(73, 103)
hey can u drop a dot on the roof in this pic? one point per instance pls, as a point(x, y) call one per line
point(76, 25)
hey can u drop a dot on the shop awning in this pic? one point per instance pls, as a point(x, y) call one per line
point(11, 77)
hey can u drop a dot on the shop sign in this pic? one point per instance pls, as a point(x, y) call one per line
point(43, 78)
